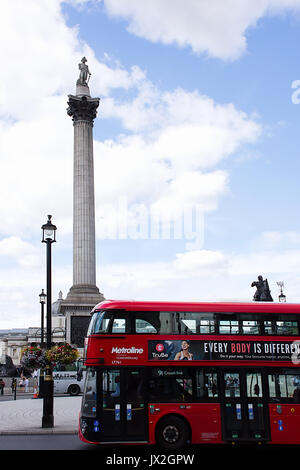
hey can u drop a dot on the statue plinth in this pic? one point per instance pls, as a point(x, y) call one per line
point(82, 90)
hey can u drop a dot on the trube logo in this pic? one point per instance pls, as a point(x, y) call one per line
point(159, 347)
point(131, 350)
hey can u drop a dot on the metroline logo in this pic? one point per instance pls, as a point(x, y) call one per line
point(131, 350)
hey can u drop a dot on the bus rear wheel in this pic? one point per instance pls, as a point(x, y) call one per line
point(74, 390)
point(172, 433)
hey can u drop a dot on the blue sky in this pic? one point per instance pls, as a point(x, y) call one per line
point(197, 113)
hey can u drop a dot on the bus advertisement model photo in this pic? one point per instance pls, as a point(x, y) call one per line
point(172, 373)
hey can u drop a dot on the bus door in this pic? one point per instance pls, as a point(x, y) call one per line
point(123, 408)
point(245, 410)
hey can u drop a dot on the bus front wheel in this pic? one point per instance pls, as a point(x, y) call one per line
point(172, 433)
point(74, 390)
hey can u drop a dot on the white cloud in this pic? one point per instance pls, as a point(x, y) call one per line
point(285, 261)
point(278, 240)
point(23, 252)
point(134, 276)
point(193, 188)
point(200, 262)
point(217, 28)
point(150, 110)
point(178, 139)
point(22, 283)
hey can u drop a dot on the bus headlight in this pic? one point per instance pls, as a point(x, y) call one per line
point(83, 426)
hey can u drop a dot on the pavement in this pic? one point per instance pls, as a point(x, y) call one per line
point(24, 416)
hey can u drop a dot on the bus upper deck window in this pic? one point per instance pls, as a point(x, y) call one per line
point(287, 328)
point(101, 322)
point(268, 327)
point(146, 322)
point(91, 324)
point(229, 327)
point(143, 326)
point(205, 326)
point(119, 325)
point(250, 327)
point(188, 323)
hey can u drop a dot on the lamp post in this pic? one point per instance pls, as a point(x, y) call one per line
point(49, 233)
point(42, 297)
point(281, 297)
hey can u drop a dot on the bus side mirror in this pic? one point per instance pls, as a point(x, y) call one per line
point(79, 375)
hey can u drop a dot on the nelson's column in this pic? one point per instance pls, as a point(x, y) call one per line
point(84, 294)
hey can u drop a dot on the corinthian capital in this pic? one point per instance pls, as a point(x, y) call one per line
point(82, 108)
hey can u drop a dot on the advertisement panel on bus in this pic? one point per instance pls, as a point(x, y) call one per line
point(126, 351)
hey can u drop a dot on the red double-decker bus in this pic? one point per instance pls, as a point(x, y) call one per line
point(174, 373)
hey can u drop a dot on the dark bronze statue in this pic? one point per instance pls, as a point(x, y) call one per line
point(84, 74)
point(263, 293)
point(8, 369)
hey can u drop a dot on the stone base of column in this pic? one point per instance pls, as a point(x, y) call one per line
point(84, 294)
point(76, 308)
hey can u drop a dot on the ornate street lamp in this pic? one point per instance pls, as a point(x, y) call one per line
point(49, 234)
point(42, 297)
point(49, 231)
point(281, 297)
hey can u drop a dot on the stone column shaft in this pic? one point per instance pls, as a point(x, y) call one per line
point(84, 256)
point(83, 110)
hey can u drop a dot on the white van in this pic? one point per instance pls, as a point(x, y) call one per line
point(68, 379)
point(70, 382)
